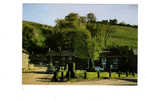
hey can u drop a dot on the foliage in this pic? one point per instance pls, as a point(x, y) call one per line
point(113, 21)
point(35, 37)
point(83, 35)
point(127, 61)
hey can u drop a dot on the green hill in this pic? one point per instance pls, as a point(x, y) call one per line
point(36, 32)
point(122, 35)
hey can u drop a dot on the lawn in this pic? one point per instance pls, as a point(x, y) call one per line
point(94, 76)
point(37, 75)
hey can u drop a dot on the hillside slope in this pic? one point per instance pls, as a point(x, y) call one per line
point(122, 35)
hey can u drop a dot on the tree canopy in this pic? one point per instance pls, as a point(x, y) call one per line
point(83, 35)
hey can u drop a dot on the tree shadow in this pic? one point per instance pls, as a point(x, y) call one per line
point(44, 79)
point(131, 80)
point(38, 72)
point(104, 78)
point(50, 80)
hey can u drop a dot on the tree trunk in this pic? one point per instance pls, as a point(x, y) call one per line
point(91, 65)
point(54, 79)
point(70, 70)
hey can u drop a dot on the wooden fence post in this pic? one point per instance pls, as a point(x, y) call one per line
point(133, 74)
point(62, 76)
point(69, 75)
point(55, 77)
point(109, 74)
point(119, 75)
point(98, 74)
point(126, 74)
point(85, 75)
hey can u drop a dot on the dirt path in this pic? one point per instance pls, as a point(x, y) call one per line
point(45, 79)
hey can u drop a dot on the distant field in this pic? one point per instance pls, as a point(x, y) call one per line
point(124, 36)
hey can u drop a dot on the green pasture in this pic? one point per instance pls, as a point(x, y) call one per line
point(124, 36)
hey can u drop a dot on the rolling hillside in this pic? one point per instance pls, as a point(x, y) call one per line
point(122, 35)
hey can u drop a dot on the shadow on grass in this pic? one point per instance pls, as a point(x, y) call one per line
point(131, 80)
point(44, 79)
point(37, 72)
point(50, 80)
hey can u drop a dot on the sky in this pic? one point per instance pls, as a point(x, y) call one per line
point(48, 13)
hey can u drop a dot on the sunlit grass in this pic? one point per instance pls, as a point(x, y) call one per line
point(94, 76)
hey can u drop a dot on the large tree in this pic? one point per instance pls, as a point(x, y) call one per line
point(74, 36)
point(92, 27)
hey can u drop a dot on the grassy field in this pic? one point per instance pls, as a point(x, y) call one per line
point(94, 76)
point(124, 36)
point(37, 75)
point(80, 74)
